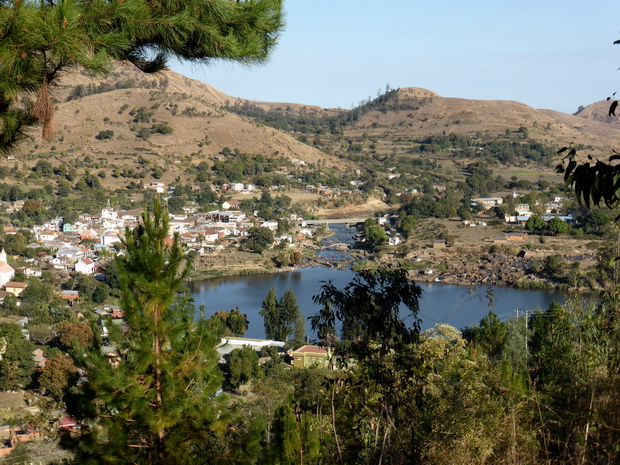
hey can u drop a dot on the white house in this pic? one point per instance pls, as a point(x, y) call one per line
point(72, 253)
point(108, 213)
point(109, 239)
point(60, 263)
point(211, 235)
point(47, 235)
point(488, 202)
point(273, 225)
point(231, 204)
point(6, 270)
point(85, 266)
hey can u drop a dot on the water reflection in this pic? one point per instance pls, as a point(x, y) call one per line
point(440, 303)
point(458, 306)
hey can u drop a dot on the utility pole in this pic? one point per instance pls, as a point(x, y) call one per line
point(526, 329)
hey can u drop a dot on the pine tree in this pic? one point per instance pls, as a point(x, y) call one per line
point(40, 40)
point(154, 403)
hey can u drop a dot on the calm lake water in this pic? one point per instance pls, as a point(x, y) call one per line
point(440, 303)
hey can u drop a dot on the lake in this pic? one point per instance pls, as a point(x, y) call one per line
point(440, 303)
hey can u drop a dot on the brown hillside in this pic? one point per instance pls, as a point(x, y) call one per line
point(417, 112)
point(129, 104)
point(191, 108)
point(420, 112)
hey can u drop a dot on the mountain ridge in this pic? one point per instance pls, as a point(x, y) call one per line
point(177, 123)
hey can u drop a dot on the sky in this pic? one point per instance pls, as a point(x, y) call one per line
point(548, 54)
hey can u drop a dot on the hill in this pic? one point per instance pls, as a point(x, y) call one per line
point(175, 124)
point(417, 112)
point(170, 120)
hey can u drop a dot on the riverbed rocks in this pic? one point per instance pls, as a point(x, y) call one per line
point(488, 269)
point(497, 269)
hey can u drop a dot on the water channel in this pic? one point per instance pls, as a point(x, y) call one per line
point(440, 303)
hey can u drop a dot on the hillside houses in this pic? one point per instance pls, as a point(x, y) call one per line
point(231, 204)
point(553, 208)
point(76, 247)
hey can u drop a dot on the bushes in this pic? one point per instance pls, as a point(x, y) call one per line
point(161, 129)
point(103, 135)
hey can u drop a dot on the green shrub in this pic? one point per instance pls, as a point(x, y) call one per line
point(161, 129)
point(108, 134)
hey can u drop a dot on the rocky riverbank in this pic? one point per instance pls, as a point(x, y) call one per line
point(489, 269)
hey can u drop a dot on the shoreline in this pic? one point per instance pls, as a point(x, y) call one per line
point(510, 267)
point(450, 278)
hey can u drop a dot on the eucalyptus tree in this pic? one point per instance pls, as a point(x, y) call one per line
point(377, 317)
point(283, 320)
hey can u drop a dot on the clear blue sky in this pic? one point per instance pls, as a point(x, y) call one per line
point(547, 54)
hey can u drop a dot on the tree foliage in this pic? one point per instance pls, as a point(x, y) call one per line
point(557, 226)
point(242, 366)
point(41, 40)
point(490, 335)
point(78, 334)
point(283, 320)
point(535, 224)
point(368, 310)
point(373, 327)
point(259, 239)
point(16, 362)
point(57, 374)
point(152, 404)
point(231, 323)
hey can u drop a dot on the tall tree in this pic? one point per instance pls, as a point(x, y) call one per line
point(269, 312)
point(368, 310)
point(153, 405)
point(283, 320)
point(374, 329)
point(39, 40)
point(16, 362)
point(294, 322)
point(490, 335)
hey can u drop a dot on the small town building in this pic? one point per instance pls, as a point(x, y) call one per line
point(15, 288)
point(6, 270)
point(516, 236)
point(231, 204)
point(228, 344)
point(39, 358)
point(70, 296)
point(308, 356)
point(488, 202)
point(85, 266)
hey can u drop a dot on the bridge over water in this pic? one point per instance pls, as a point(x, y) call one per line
point(349, 221)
